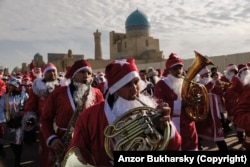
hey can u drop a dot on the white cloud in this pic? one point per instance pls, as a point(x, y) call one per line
point(52, 26)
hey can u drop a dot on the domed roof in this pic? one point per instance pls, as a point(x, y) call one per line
point(137, 18)
point(37, 55)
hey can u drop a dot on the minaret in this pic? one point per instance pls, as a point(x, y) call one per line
point(98, 49)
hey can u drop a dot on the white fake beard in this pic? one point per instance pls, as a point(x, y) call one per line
point(229, 75)
point(51, 85)
point(122, 105)
point(205, 80)
point(175, 84)
point(245, 77)
point(39, 75)
point(79, 92)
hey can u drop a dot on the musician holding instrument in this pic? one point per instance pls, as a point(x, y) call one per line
point(62, 104)
point(126, 120)
point(241, 110)
point(211, 128)
point(41, 87)
point(169, 89)
point(232, 94)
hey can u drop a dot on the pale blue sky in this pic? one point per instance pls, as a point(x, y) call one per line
point(211, 27)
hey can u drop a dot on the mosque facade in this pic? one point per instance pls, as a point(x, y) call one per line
point(136, 42)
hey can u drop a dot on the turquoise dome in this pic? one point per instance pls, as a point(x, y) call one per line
point(137, 19)
point(37, 55)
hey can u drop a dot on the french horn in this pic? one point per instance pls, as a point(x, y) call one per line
point(136, 130)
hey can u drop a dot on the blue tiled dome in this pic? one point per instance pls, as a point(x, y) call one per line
point(137, 18)
point(37, 55)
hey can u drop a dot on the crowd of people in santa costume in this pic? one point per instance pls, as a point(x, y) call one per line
point(45, 101)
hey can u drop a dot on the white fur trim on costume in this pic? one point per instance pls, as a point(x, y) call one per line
point(73, 159)
point(176, 65)
point(83, 68)
point(50, 138)
point(39, 87)
point(232, 67)
point(204, 71)
point(244, 68)
point(109, 115)
point(127, 78)
point(49, 68)
point(173, 130)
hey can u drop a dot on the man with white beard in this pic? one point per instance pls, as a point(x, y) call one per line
point(242, 112)
point(34, 106)
point(63, 103)
point(232, 94)
point(211, 128)
point(169, 90)
point(123, 92)
point(243, 72)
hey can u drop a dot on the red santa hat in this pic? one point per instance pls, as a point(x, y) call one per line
point(173, 60)
point(242, 67)
point(49, 66)
point(119, 73)
point(231, 67)
point(160, 72)
point(79, 65)
point(204, 71)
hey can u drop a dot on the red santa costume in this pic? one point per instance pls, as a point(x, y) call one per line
point(35, 104)
point(89, 131)
point(234, 90)
point(211, 128)
point(242, 112)
point(101, 82)
point(169, 90)
point(62, 103)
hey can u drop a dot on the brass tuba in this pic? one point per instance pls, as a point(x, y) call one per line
point(195, 95)
point(136, 131)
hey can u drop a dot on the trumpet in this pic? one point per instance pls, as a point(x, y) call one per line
point(222, 84)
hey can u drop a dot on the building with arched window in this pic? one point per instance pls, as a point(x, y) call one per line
point(137, 41)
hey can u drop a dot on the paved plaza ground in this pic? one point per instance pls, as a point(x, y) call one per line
point(30, 154)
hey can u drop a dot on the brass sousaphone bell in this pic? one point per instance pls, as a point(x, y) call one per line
point(195, 94)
